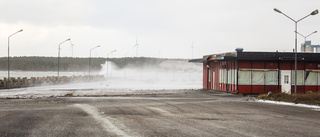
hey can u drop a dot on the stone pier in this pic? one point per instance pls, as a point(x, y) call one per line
point(49, 80)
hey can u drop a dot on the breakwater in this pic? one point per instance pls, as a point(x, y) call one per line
point(49, 80)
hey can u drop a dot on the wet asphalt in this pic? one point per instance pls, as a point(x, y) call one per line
point(189, 113)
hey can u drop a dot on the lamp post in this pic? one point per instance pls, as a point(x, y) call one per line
point(90, 60)
point(108, 61)
point(305, 39)
point(125, 65)
point(59, 57)
point(8, 83)
point(295, 55)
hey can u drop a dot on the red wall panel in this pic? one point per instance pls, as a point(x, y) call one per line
point(300, 89)
point(310, 88)
point(285, 65)
point(233, 88)
point(300, 66)
point(258, 65)
point(272, 88)
point(244, 89)
point(244, 64)
point(216, 80)
point(257, 89)
point(271, 65)
point(205, 74)
point(310, 65)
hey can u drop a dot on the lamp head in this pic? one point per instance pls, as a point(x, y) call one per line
point(276, 10)
point(315, 31)
point(314, 12)
point(68, 39)
point(20, 30)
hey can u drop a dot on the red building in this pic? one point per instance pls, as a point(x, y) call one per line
point(261, 72)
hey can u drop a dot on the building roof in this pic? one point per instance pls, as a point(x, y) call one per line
point(272, 56)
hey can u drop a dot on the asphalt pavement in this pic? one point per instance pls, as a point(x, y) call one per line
point(189, 113)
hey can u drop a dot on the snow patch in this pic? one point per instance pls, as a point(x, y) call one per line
point(317, 108)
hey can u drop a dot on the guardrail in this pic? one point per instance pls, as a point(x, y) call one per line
point(49, 80)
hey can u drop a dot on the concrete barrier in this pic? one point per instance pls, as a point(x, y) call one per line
point(49, 80)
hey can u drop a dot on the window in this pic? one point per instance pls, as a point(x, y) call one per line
point(244, 77)
point(318, 78)
point(286, 79)
point(311, 78)
point(257, 78)
point(272, 77)
point(235, 76)
point(300, 77)
point(229, 77)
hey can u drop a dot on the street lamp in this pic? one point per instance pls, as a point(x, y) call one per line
point(90, 59)
point(59, 57)
point(125, 65)
point(108, 61)
point(305, 39)
point(295, 55)
point(8, 83)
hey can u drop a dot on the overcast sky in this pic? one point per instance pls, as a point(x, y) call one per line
point(163, 28)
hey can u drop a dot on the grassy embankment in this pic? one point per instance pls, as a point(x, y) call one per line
point(309, 98)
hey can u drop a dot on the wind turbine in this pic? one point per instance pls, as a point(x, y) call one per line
point(192, 50)
point(136, 46)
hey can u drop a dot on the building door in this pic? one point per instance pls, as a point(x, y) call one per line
point(286, 81)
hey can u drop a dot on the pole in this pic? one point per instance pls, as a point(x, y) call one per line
point(125, 67)
point(295, 58)
point(59, 58)
point(8, 83)
point(304, 47)
point(108, 61)
point(89, 64)
point(90, 60)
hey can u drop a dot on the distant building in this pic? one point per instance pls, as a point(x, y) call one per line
point(307, 47)
point(260, 72)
